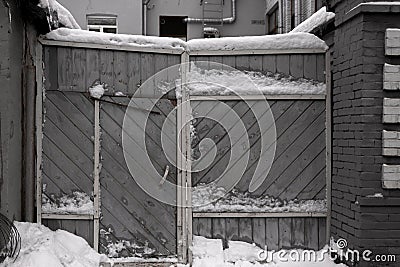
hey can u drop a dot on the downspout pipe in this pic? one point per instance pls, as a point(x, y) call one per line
point(229, 20)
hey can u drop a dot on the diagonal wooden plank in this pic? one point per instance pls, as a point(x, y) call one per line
point(314, 187)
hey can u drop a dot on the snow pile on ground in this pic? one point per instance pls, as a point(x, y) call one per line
point(209, 252)
point(211, 198)
point(266, 42)
point(82, 36)
point(42, 247)
point(97, 90)
point(116, 248)
point(317, 19)
point(75, 203)
point(64, 16)
point(225, 82)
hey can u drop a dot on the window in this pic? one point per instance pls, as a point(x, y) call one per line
point(273, 21)
point(173, 26)
point(102, 23)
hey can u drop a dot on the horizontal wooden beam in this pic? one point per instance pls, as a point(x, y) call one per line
point(257, 97)
point(258, 214)
point(50, 216)
point(255, 52)
point(111, 47)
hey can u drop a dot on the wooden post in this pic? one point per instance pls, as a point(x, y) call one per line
point(328, 143)
point(39, 130)
point(96, 175)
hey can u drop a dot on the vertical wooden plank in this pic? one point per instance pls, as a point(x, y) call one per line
point(282, 64)
point(69, 226)
point(196, 223)
point(92, 67)
point(39, 130)
point(52, 224)
point(147, 69)
point(205, 227)
point(121, 79)
point(269, 63)
point(96, 175)
point(285, 233)
point(218, 227)
point(310, 72)
point(79, 69)
point(232, 229)
point(298, 232)
point(134, 81)
point(229, 61)
point(259, 232)
point(107, 69)
point(321, 68)
point(242, 62)
point(321, 232)
point(161, 63)
point(272, 233)
point(50, 67)
point(65, 75)
point(246, 230)
point(256, 63)
point(310, 233)
point(296, 66)
point(83, 230)
point(328, 150)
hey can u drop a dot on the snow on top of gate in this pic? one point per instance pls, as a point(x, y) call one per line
point(291, 41)
point(82, 36)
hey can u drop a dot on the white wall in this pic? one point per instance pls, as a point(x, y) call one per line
point(129, 12)
point(247, 10)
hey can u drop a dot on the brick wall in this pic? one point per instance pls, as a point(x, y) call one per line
point(359, 215)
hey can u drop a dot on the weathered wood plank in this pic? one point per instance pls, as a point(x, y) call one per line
point(205, 227)
point(79, 70)
point(92, 67)
point(134, 77)
point(232, 228)
point(259, 232)
point(285, 233)
point(283, 64)
point(246, 230)
point(229, 61)
point(65, 68)
point(51, 68)
point(322, 233)
point(218, 228)
point(107, 70)
point(256, 63)
point(298, 227)
point(269, 63)
point(310, 233)
point(121, 79)
point(272, 233)
point(242, 62)
point(296, 66)
point(147, 70)
point(321, 68)
point(311, 71)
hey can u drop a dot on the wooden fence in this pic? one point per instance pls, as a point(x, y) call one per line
point(79, 149)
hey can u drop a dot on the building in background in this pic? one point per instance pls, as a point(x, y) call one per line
point(282, 16)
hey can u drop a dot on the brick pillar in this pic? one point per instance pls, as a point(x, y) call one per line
point(364, 212)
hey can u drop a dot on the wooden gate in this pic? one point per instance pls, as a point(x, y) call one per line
point(82, 159)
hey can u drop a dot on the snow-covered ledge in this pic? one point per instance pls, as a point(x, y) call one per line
point(266, 44)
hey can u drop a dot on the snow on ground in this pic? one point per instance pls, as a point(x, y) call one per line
point(210, 198)
point(64, 16)
point(317, 19)
point(266, 42)
point(42, 247)
point(75, 203)
point(82, 36)
point(209, 253)
point(224, 82)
